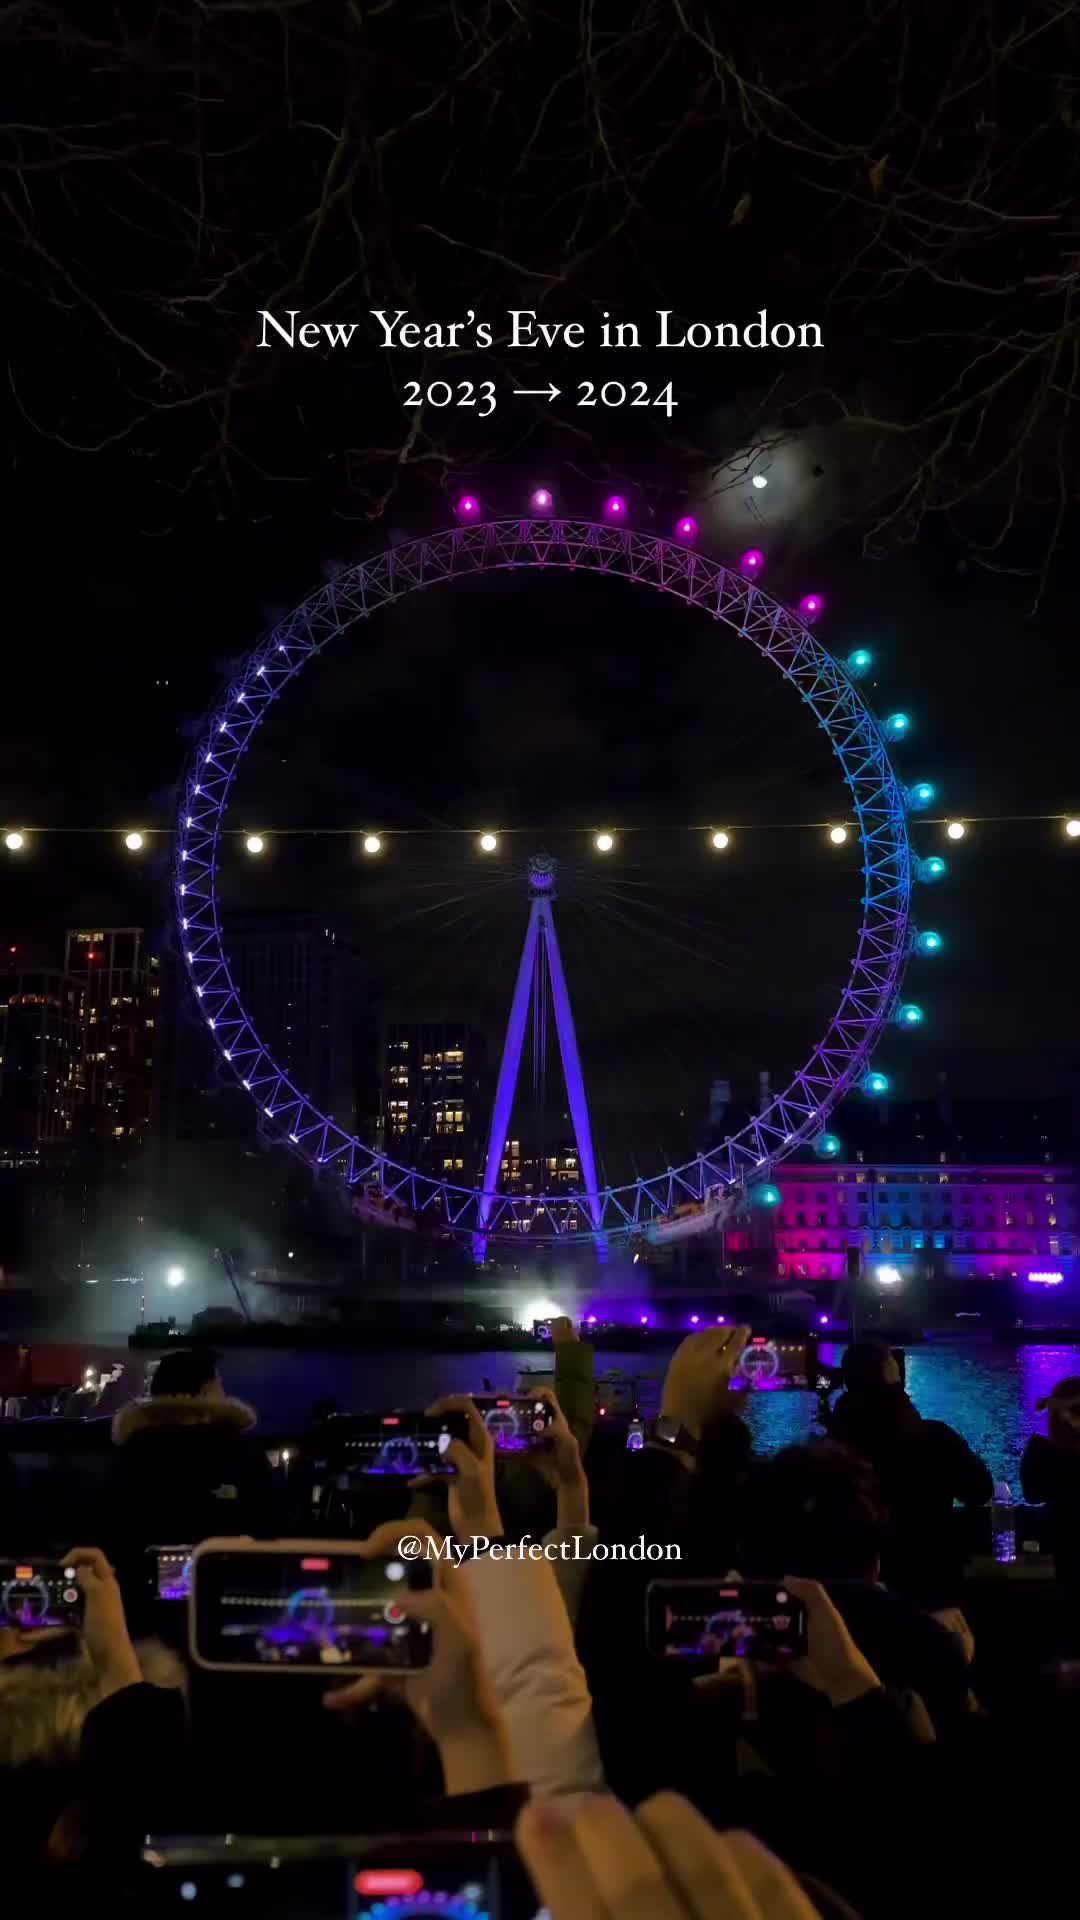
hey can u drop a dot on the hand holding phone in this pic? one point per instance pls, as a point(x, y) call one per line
point(389, 1444)
point(700, 1375)
point(450, 1696)
point(474, 1508)
point(515, 1421)
point(713, 1620)
point(303, 1606)
point(37, 1594)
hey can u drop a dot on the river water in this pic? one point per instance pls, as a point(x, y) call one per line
point(987, 1392)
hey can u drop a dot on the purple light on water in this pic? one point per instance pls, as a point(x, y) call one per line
point(615, 507)
point(541, 499)
point(468, 507)
point(811, 605)
point(752, 561)
point(686, 528)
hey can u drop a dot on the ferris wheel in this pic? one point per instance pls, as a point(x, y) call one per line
point(743, 1164)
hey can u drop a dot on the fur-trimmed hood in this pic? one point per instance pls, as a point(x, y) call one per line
point(181, 1410)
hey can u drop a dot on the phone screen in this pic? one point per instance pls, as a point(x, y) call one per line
point(777, 1365)
point(635, 1436)
point(330, 1877)
point(40, 1593)
point(301, 1609)
point(515, 1421)
point(706, 1620)
point(393, 1443)
point(172, 1572)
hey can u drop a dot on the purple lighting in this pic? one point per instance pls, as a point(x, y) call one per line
point(1045, 1279)
point(720, 1320)
point(615, 508)
point(686, 528)
point(823, 1319)
point(541, 500)
point(752, 561)
point(811, 605)
point(694, 1318)
point(468, 507)
point(644, 1320)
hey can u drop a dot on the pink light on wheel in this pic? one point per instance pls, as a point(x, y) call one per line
point(811, 605)
point(686, 528)
point(752, 561)
point(468, 507)
point(541, 500)
point(615, 507)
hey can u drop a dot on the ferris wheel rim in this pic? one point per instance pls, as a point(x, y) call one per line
point(869, 999)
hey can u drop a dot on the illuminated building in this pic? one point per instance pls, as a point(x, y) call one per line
point(42, 1054)
point(121, 993)
point(433, 1113)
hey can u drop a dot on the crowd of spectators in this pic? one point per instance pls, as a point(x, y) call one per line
point(879, 1771)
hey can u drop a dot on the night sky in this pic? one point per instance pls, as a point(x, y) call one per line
point(152, 531)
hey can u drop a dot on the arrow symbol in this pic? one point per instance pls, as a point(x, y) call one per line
point(539, 393)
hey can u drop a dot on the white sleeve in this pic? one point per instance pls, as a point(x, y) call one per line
point(572, 1569)
point(538, 1679)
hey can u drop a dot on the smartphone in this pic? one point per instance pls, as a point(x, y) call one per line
point(392, 1443)
point(40, 1593)
point(304, 1606)
point(515, 1421)
point(777, 1365)
point(328, 1876)
point(171, 1572)
point(710, 1620)
point(635, 1436)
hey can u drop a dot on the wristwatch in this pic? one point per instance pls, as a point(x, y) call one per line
point(668, 1433)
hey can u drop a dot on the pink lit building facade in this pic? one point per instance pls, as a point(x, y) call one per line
point(977, 1222)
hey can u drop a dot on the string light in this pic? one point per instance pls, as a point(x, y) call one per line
point(720, 840)
point(255, 843)
point(372, 843)
point(838, 835)
point(133, 842)
point(956, 830)
point(14, 841)
point(1072, 829)
point(604, 842)
point(488, 842)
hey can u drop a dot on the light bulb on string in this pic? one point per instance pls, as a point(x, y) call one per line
point(488, 842)
point(372, 843)
point(604, 842)
point(838, 835)
point(1072, 829)
point(720, 840)
point(134, 842)
point(955, 830)
point(254, 843)
point(14, 841)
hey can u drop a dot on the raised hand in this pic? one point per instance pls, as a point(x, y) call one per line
point(698, 1385)
point(595, 1860)
point(473, 1506)
point(452, 1697)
